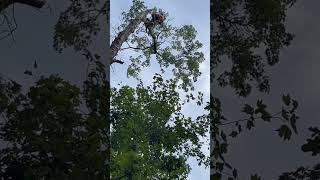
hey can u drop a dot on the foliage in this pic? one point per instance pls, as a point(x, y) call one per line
point(178, 49)
point(151, 138)
point(57, 130)
point(54, 131)
point(80, 23)
point(247, 36)
point(241, 28)
point(302, 173)
point(60, 131)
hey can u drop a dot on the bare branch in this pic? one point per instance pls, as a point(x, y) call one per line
point(33, 3)
point(117, 61)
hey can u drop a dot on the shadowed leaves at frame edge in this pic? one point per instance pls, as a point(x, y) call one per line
point(58, 130)
point(241, 30)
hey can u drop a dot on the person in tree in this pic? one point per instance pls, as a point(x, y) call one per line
point(157, 18)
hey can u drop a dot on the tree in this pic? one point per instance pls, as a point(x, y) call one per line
point(241, 31)
point(60, 131)
point(56, 130)
point(48, 134)
point(178, 49)
point(151, 138)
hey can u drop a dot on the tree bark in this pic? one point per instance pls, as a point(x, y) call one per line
point(124, 35)
point(33, 3)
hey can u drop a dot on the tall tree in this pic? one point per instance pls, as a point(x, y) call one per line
point(178, 49)
point(65, 134)
point(151, 138)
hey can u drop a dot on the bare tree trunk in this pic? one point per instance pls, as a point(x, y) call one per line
point(33, 3)
point(124, 35)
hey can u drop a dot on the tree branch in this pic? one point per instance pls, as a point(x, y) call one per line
point(117, 61)
point(274, 116)
point(124, 35)
point(33, 3)
point(137, 48)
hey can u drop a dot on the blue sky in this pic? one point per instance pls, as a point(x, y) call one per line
point(181, 12)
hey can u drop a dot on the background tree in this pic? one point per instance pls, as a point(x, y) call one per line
point(242, 29)
point(56, 130)
point(48, 134)
point(248, 37)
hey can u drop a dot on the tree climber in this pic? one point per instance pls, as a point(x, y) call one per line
point(157, 18)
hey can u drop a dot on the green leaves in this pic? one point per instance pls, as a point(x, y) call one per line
point(178, 49)
point(150, 118)
point(255, 177)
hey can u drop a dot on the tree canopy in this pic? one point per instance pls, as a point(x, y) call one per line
point(178, 48)
point(57, 130)
point(150, 136)
point(248, 36)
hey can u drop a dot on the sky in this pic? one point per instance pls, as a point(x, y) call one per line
point(261, 150)
point(193, 12)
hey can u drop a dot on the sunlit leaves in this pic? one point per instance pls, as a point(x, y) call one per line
point(148, 121)
point(178, 49)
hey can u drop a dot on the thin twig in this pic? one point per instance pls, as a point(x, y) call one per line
point(247, 119)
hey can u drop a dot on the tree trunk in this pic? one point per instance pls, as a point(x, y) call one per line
point(33, 3)
point(154, 39)
point(124, 35)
